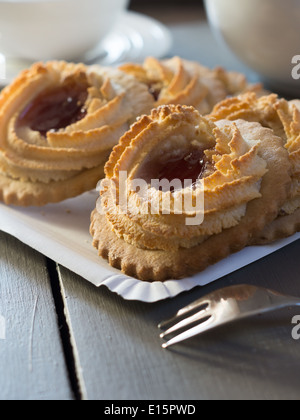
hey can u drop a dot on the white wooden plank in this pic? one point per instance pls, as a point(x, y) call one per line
point(32, 363)
point(119, 355)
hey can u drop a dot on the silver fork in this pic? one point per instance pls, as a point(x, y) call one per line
point(222, 307)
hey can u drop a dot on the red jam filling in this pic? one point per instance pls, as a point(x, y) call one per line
point(155, 89)
point(58, 107)
point(191, 166)
point(188, 167)
point(154, 92)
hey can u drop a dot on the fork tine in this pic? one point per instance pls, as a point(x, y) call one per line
point(224, 306)
point(199, 329)
point(201, 303)
point(202, 315)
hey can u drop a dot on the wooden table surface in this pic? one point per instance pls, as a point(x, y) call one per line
point(67, 340)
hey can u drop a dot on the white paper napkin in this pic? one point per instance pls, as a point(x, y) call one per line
point(61, 232)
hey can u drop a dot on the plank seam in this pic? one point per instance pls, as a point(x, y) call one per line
point(64, 329)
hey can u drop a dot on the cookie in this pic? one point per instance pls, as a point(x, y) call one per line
point(234, 167)
point(283, 117)
point(58, 123)
point(182, 82)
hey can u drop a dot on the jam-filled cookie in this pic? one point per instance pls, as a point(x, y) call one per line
point(183, 82)
point(182, 192)
point(58, 124)
point(283, 118)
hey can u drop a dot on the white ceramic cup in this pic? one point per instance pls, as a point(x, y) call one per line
point(264, 34)
point(55, 29)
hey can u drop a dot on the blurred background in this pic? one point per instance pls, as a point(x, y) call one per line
point(140, 3)
point(193, 38)
point(259, 38)
point(109, 35)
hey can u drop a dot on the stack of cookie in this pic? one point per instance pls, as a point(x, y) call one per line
point(196, 163)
